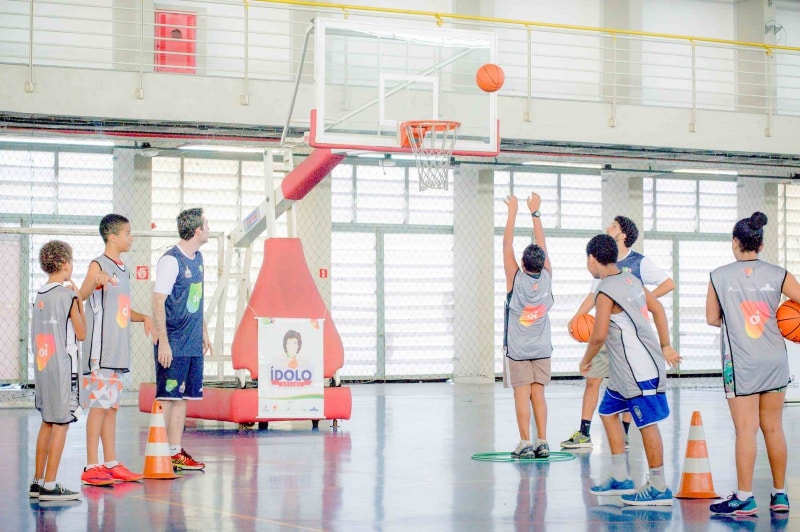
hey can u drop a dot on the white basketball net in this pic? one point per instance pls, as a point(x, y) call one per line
point(432, 143)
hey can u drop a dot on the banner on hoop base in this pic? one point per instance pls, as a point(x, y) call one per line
point(291, 381)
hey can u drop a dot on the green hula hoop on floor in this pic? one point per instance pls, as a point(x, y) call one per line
point(555, 456)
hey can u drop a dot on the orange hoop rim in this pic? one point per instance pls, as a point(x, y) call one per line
point(421, 127)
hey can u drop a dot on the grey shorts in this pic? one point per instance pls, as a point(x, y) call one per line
point(523, 372)
point(600, 365)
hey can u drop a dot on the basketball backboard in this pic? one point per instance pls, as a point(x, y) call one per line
point(370, 78)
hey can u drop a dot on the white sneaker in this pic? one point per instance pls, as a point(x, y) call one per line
point(524, 449)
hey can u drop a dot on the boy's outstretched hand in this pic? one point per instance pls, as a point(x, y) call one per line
point(534, 202)
point(671, 356)
point(512, 204)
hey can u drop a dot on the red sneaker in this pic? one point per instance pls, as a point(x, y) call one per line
point(183, 460)
point(120, 473)
point(97, 476)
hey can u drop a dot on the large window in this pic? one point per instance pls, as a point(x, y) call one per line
point(392, 263)
point(571, 214)
point(55, 192)
point(227, 190)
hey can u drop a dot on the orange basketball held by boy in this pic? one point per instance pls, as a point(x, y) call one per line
point(788, 316)
point(582, 327)
point(490, 77)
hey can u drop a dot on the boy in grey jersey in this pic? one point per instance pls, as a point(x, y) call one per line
point(57, 324)
point(742, 299)
point(625, 233)
point(527, 341)
point(637, 379)
point(106, 353)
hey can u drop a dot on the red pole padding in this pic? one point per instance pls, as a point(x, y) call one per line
point(307, 174)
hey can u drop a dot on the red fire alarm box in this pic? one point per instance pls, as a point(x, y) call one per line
point(142, 273)
point(175, 42)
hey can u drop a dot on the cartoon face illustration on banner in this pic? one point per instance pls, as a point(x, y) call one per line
point(195, 296)
point(123, 310)
point(45, 349)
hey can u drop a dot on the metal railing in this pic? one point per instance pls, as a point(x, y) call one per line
point(264, 41)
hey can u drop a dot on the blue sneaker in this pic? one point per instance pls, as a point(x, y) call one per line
point(608, 513)
point(613, 486)
point(779, 503)
point(649, 495)
point(747, 523)
point(649, 515)
point(733, 506)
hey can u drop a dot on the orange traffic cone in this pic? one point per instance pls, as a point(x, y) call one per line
point(157, 461)
point(696, 481)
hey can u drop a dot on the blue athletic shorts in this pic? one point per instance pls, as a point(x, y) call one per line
point(183, 379)
point(645, 409)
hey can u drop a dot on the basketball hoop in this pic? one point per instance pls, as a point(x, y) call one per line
point(432, 142)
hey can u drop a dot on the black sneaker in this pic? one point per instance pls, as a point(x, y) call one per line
point(33, 491)
point(59, 493)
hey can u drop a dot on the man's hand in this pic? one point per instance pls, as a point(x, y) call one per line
point(164, 354)
point(534, 202)
point(206, 342)
point(585, 366)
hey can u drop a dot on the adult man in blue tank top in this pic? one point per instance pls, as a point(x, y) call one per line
point(182, 334)
point(625, 233)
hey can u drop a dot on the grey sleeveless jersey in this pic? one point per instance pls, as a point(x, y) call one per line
point(54, 367)
point(635, 354)
point(527, 317)
point(749, 293)
point(107, 320)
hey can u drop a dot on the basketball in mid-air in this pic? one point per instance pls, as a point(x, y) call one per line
point(490, 77)
point(582, 327)
point(788, 316)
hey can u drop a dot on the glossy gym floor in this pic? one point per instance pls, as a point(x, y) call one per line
point(402, 463)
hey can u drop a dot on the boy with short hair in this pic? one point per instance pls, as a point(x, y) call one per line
point(527, 343)
point(637, 379)
point(625, 233)
point(106, 353)
point(57, 325)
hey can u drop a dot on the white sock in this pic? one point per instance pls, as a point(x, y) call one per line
point(50, 485)
point(540, 441)
point(775, 490)
point(743, 495)
point(90, 466)
point(657, 478)
point(39, 481)
point(619, 466)
point(111, 464)
point(174, 450)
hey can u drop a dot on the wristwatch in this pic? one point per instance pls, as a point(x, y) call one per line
point(536, 214)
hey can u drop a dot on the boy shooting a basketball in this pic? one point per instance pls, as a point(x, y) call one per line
point(107, 352)
point(527, 342)
point(637, 379)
